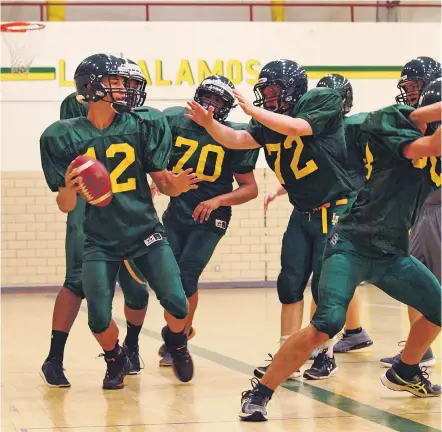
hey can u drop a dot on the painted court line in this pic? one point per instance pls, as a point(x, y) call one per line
point(334, 400)
point(343, 403)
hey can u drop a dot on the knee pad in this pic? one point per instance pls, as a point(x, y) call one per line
point(289, 289)
point(329, 320)
point(176, 305)
point(99, 316)
point(138, 302)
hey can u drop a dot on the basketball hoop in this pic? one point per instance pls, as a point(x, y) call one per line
point(21, 38)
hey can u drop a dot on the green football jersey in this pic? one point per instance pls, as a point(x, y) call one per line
point(389, 202)
point(311, 168)
point(193, 147)
point(356, 149)
point(133, 145)
point(71, 108)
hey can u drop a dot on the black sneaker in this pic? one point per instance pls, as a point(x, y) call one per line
point(134, 363)
point(426, 360)
point(419, 386)
point(323, 367)
point(181, 359)
point(116, 370)
point(253, 404)
point(162, 350)
point(52, 373)
point(261, 370)
point(166, 361)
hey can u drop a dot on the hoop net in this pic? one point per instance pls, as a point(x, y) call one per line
point(22, 40)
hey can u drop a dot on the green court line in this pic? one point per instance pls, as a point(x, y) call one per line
point(327, 397)
point(31, 70)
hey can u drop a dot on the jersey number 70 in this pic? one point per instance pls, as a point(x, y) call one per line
point(193, 147)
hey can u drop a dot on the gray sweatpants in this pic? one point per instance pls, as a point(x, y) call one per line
point(425, 239)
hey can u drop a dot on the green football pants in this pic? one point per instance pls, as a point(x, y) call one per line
point(303, 247)
point(74, 245)
point(193, 249)
point(402, 277)
point(158, 267)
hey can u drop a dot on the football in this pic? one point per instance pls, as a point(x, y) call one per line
point(96, 187)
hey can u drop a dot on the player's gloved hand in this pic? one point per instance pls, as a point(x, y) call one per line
point(268, 198)
point(246, 106)
point(154, 190)
point(205, 208)
point(186, 180)
point(198, 114)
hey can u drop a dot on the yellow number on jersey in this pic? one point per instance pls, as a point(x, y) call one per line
point(128, 150)
point(298, 172)
point(193, 146)
point(421, 163)
point(368, 161)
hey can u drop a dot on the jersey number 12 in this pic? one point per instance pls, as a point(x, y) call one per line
point(129, 159)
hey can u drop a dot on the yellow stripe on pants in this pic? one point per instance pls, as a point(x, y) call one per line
point(132, 273)
point(56, 12)
point(277, 10)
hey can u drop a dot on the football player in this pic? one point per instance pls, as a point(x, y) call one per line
point(68, 301)
point(197, 220)
point(425, 239)
point(127, 231)
point(302, 134)
point(370, 242)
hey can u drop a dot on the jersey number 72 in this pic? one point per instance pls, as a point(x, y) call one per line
point(298, 172)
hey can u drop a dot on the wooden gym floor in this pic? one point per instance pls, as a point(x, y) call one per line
point(235, 331)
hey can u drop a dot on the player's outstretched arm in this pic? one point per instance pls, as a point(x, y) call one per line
point(424, 146)
point(175, 184)
point(247, 190)
point(278, 190)
point(67, 196)
point(427, 114)
point(226, 136)
point(281, 123)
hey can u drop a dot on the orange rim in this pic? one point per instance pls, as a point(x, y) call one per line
point(20, 27)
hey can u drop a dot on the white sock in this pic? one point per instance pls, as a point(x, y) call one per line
point(329, 347)
point(315, 352)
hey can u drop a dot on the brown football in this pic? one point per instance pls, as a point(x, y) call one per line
point(96, 187)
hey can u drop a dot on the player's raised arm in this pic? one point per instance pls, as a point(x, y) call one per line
point(424, 147)
point(427, 114)
point(281, 123)
point(228, 137)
